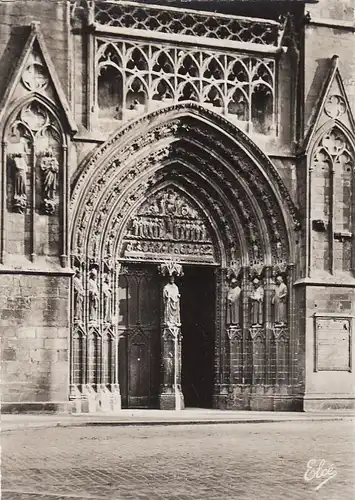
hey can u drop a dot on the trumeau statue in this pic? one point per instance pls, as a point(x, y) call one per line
point(233, 303)
point(256, 303)
point(171, 297)
point(280, 301)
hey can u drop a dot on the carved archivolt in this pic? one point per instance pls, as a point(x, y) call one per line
point(240, 199)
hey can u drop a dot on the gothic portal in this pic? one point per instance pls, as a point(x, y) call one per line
point(201, 197)
point(177, 205)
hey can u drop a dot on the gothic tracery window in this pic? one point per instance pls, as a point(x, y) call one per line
point(134, 78)
point(333, 200)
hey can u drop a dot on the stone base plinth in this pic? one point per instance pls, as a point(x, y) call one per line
point(37, 407)
point(319, 403)
point(169, 401)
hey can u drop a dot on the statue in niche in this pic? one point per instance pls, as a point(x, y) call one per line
point(107, 299)
point(50, 168)
point(93, 295)
point(78, 296)
point(256, 303)
point(20, 174)
point(279, 301)
point(233, 303)
point(171, 298)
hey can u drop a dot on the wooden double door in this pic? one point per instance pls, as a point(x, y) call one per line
point(139, 327)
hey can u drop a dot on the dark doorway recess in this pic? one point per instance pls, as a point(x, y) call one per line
point(197, 288)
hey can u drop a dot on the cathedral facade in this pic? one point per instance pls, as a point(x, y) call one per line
point(177, 205)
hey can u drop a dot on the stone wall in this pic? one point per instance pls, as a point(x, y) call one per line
point(34, 326)
point(330, 387)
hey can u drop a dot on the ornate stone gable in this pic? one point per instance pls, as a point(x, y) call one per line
point(333, 106)
point(35, 75)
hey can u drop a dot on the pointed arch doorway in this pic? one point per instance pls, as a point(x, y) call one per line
point(168, 225)
point(140, 327)
point(233, 214)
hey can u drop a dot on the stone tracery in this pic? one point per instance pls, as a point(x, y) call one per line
point(149, 75)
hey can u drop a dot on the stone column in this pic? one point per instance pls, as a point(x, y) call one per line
point(170, 395)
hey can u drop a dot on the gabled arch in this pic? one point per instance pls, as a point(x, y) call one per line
point(225, 170)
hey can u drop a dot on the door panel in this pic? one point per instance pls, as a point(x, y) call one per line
point(139, 380)
point(139, 329)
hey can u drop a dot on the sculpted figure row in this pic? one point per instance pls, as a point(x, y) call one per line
point(93, 295)
point(155, 227)
point(256, 303)
point(48, 164)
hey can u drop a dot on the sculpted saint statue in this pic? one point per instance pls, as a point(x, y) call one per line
point(233, 303)
point(280, 301)
point(78, 296)
point(107, 299)
point(50, 168)
point(256, 301)
point(171, 297)
point(93, 296)
point(20, 174)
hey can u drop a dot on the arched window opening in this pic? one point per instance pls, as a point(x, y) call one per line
point(110, 93)
point(163, 91)
point(188, 93)
point(188, 67)
point(238, 105)
point(213, 96)
point(136, 98)
point(34, 170)
point(137, 60)
point(238, 73)
point(163, 64)
point(214, 70)
point(332, 200)
point(262, 109)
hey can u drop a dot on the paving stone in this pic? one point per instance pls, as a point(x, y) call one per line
point(209, 462)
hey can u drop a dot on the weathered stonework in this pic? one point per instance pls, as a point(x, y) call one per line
point(138, 136)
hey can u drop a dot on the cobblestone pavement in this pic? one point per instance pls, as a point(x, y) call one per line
point(250, 461)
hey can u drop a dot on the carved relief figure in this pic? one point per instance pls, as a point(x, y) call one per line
point(78, 296)
point(256, 303)
point(93, 296)
point(20, 171)
point(280, 301)
point(107, 299)
point(233, 303)
point(171, 297)
point(50, 168)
